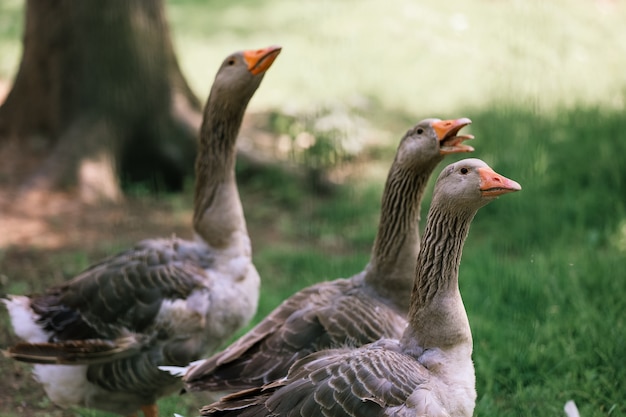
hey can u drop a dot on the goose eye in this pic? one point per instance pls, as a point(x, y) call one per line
point(464, 171)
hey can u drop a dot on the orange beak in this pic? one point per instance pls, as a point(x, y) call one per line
point(449, 141)
point(259, 60)
point(493, 184)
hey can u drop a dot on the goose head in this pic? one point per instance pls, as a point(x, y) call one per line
point(431, 139)
point(472, 183)
point(241, 73)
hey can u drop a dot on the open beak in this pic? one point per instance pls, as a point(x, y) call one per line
point(259, 60)
point(493, 184)
point(449, 141)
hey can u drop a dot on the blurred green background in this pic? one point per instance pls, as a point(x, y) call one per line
point(543, 274)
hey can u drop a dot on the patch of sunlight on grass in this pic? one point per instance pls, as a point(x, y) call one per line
point(11, 22)
point(421, 58)
point(432, 58)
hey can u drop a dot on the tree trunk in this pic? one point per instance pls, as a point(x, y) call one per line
point(98, 99)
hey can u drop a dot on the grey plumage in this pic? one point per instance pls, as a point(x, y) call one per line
point(428, 371)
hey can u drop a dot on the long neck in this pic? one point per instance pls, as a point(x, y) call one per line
point(218, 214)
point(392, 264)
point(437, 317)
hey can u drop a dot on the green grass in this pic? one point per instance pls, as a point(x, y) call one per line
point(542, 273)
point(549, 325)
point(543, 280)
point(544, 82)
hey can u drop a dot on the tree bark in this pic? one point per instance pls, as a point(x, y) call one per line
point(99, 99)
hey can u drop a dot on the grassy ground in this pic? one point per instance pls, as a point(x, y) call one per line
point(543, 270)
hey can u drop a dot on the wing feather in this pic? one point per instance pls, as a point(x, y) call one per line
point(326, 315)
point(365, 382)
point(121, 292)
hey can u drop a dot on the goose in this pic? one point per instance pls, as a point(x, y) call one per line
point(428, 371)
point(357, 310)
point(97, 339)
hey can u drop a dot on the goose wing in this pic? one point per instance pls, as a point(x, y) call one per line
point(329, 314)
point(375, 380)
point(123, 293)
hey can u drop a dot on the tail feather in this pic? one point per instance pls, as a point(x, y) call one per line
point(74, 352)
point(177, 371)
point(180, 371)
